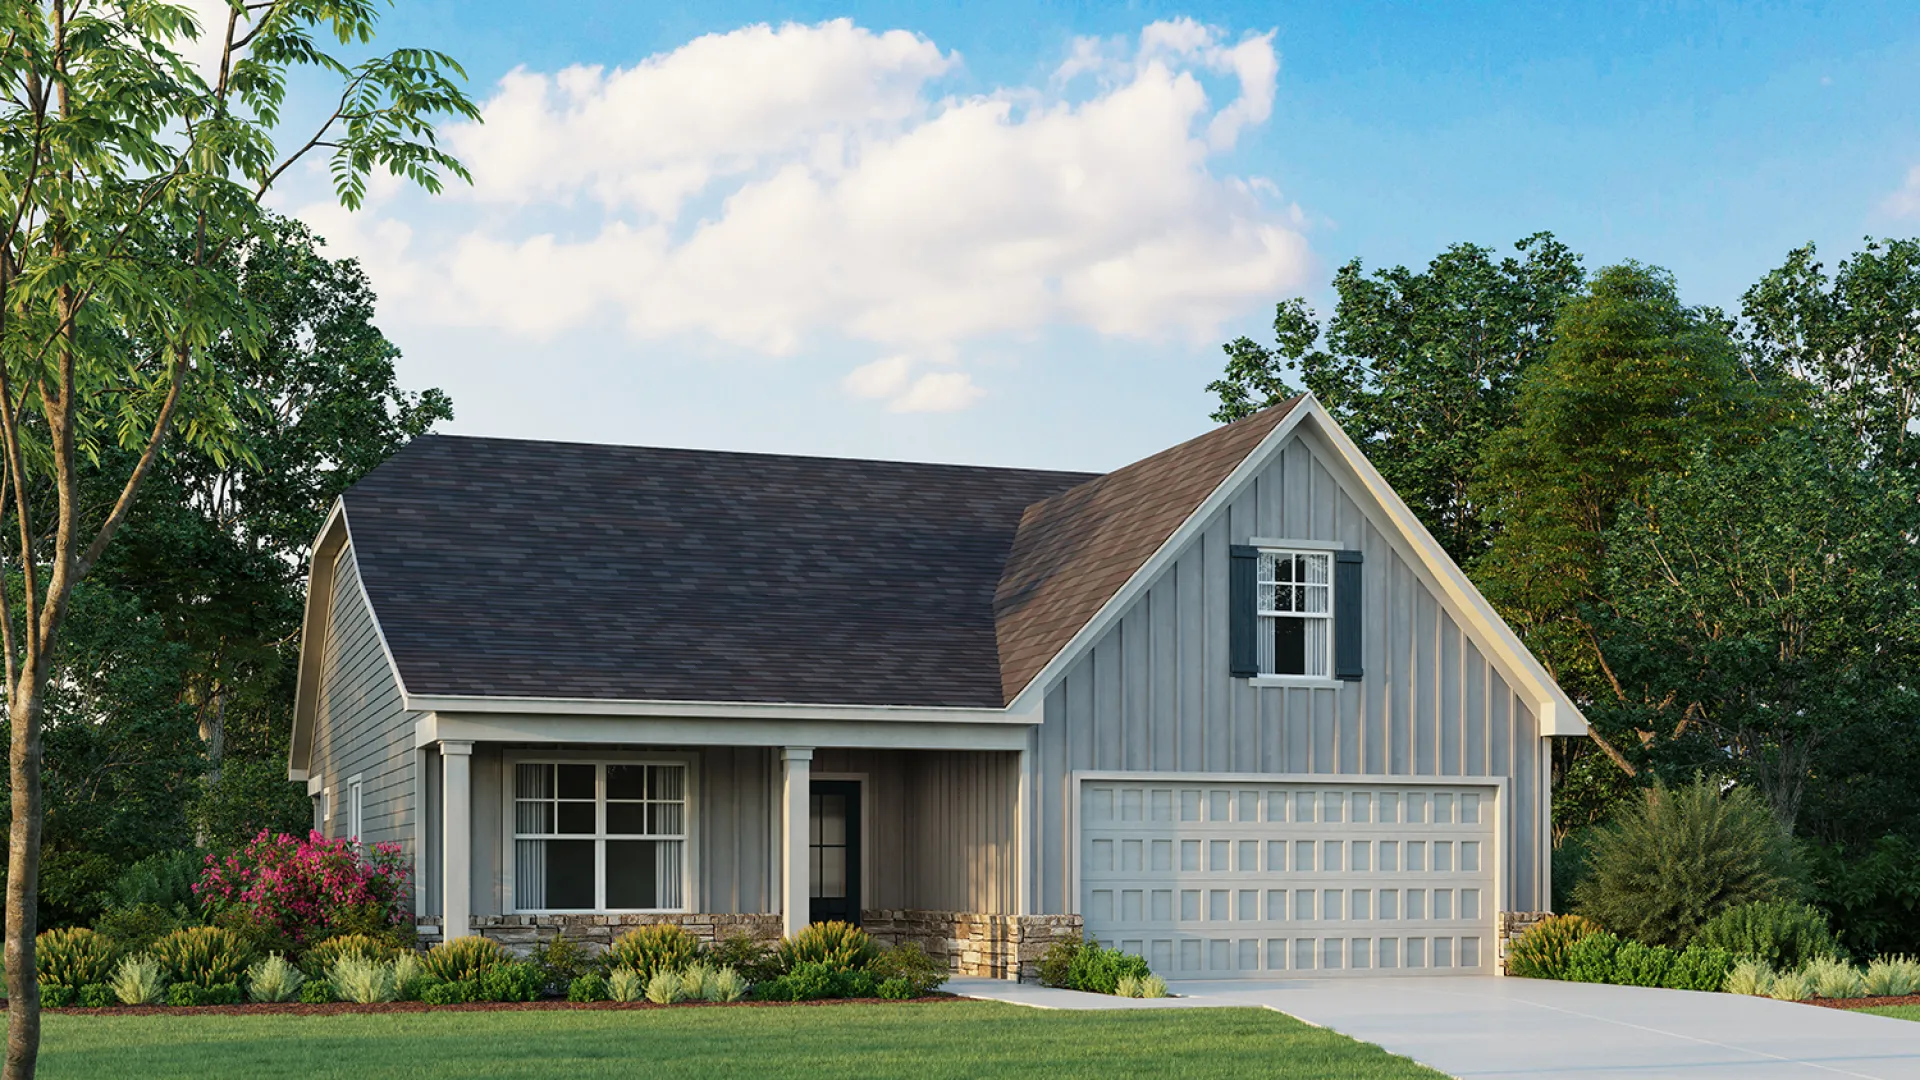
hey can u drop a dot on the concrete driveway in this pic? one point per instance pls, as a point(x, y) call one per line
point(1493, 1027)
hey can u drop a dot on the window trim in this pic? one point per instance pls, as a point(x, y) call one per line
point(1329, 549)
point(356, 816)
point(690, 844)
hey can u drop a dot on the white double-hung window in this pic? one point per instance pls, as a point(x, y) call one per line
point(599, 837)
point(1294, 609)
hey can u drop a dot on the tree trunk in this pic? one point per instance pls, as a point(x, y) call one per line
point(23, 874)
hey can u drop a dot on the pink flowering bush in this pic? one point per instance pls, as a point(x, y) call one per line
point(303, 891)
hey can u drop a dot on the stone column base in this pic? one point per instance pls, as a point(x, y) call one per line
point(1512, 925)
point(521, 933)
point(972, 943)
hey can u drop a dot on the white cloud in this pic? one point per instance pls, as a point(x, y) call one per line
point(776, 187)
point(1905, 203)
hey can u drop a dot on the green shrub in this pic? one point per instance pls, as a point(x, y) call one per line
point(694, 980)
point(274, 979)
point(857, 983)
point(753, 959)
point(726, 985)
point(55, 996)
point(1681, 856)
point(1127, 987)
point(1153, 986)
point(191, 994)
point(1869, 892)
point(589, 987)
point(411, 977)
point(139, 980)
point(666, 987)
point(1786, 935)
point(561, 960)
point(205, 956)
point(807, 981)
point(451, 993)
point(841, 946)
point(1751, 977)
point(512, 981)
point(363, 981)
point(465, 958)
point(1056, 964)
point(1541, 952)
point(1831, 977)
point(1592, 958)
point(653, 948)
point(163, 881)
point(922, 973)
point(96, 995)
point(135, 929)
point(316, 992)
point(320, 959)
point(1698, 967)
point(73, 957)
point(626, 985)
point(1893, 976)
point(1635, 964)
point(1098, 971)
point(1791, 986)
point(896, 989)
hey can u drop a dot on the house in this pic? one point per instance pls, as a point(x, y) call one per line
point(1229, 707)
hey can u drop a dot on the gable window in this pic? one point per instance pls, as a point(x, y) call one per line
point(1295, 609)
point(599, 837)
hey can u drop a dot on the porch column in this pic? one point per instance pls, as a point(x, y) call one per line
point(796, 773)
point(456, 838)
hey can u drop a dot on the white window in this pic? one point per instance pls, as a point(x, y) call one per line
point(1295, 608)
point(354, 820)
point(599, 837)
point(326, 805)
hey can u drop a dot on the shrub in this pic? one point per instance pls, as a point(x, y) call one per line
point(923, 974)
point(464, 958)
point(411, 977)
point(96, 995)
point(1635, 964)
point(694, 980)
point(138, 980)
point(1791, 986)
point(1753, 977)
point(726, 985)
point(652, 948)
point(451, 993)
point(321, 958)
point(1153, 986)
point(362, 981)
point(1056, 964)
point(1541, 952)
point(188, 994)
point(316, 992)
point(752, 958)
point(896, 989)
point(841, 946)
point(162, 881)
point(626, 985)
point(1681, 856)
point(73, 957)
point(204, 956)
point(1127, 987)
point(1893, 976)
point(589, 987)
point(1869, 893)
point(1786, 935)
point(1699, 968)
point(1097, 971)
point(309, 889)
point(561, 960)
point(274, 979)
point(1831, 977)
point(55, 996)
point(666, 987)
point(807, 981)
point(511, 981)
point(135, 929)
point(854, 984)
point(1592, 958)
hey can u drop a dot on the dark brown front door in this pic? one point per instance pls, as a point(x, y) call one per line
point(833, 849)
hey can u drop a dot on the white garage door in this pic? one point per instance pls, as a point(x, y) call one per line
point(1220, 880)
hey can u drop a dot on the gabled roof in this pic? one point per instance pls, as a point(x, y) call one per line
point(1075, 550)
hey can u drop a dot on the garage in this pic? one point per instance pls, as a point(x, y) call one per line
point(1213, 879)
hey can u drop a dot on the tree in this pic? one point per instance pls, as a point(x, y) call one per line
point(1421, 368)
point(130, 179)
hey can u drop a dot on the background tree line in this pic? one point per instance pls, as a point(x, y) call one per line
point(1703, 524)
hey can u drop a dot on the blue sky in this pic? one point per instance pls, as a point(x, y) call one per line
point(944, 245)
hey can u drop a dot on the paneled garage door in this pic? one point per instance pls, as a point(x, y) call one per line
point(1217, 880)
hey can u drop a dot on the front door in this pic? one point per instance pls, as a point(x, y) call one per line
point(833, 849)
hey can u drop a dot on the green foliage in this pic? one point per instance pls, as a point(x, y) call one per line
point(452, 993)
point(815, 980)
point(164, 880)
point(896, 989)
point(189, 994)
point(1128, 986)
point(411, 977)
point(561, 960)
point(137, 928)
point(922, 974)
point(74, 957)
point(512, 981)
point(1056, 964)
point(1870, 892)
point(652, 948)
point(96, 996)
point(841, 946)
point(666, 987)
point(1542, 952)
point(627, 985)
point(139, 980)
point(1832, 977)
point(274, 979)
point(1698, 967)
point(1592, 958)
point(754, 959)
point(591, 986)
point(1751, 977)
point(316, 992)
point(1892, 976)
point(202, 956)
point(726, 984)
point(362, 981)
point(1635, 964)
point(320, 959)
point(1782, 934)
point(465, 958)
point(1791, 986)
point(1098, 971)
point(1679, 857)
point(53, 996)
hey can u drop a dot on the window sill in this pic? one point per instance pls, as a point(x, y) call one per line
point(1302, 681)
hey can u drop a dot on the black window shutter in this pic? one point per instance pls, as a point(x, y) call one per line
point(1346, 615)
point(1243, 573)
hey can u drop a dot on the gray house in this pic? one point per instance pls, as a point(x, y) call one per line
point(1230, 707)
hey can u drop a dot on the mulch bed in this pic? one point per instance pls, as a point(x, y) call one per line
point(294, 1008)
point(1865, 1002)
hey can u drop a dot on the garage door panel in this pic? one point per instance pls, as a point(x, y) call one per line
point(1219, 879)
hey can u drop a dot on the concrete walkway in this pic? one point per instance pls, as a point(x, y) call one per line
point(1035, 996)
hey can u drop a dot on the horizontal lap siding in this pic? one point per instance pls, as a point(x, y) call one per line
point(1154, 694)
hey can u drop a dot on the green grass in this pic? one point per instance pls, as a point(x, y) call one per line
point(1898, 1012)
point(970, 1039)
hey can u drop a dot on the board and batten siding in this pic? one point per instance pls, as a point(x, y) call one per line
point(360, 727)
point(1154, 693)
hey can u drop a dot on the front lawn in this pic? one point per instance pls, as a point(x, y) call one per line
point(1898, 1012)
point(962, 1039)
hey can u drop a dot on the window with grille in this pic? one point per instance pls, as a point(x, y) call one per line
point(1294, 608)
point(599, 837)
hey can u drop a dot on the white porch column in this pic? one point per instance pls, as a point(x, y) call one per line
point(456, 838)
point(796, 774)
